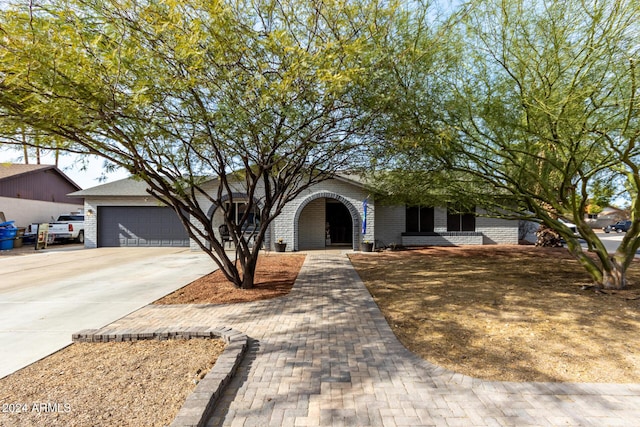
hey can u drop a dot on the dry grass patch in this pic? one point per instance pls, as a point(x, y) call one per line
point(507, 313)
point(275, 275)
point(142, 383)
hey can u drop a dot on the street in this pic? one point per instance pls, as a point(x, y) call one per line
point(611, 241)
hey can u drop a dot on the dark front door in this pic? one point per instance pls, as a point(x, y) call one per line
point(340, 223)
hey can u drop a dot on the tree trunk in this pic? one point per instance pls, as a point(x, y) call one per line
point(25, 150)
point(615, 277)
point(247, 279)
point(249, 271)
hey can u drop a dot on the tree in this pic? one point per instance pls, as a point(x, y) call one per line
point(30, 142)
point(541, 105)
point(600, 195)
point(259, 95)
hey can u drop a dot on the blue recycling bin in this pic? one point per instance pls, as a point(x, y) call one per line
point(7, 235)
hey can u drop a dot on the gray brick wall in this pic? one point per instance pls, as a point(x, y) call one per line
point(390, 224)
point(440, 220)
point(445, 239)
point(311, 220)
point(498, 231)
point(287, 226)
point(301, 223)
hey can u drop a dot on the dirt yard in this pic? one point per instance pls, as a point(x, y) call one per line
point(507, 313)
point(513, 313)
point(141, 383)
point(502, 313)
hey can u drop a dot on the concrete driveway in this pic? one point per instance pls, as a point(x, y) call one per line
point(46, 297)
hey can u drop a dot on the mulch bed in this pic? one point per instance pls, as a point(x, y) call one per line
point(274, 277)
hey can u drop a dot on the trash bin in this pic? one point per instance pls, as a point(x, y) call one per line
point(17, 242)
point(7, 235)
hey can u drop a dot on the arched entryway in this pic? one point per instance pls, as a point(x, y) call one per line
point(326, 220)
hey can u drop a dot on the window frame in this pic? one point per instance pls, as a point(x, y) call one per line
point(424, 221)
point(234, 209)
point(460, 222)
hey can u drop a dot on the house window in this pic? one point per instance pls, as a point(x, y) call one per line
point(419, 219)
point(457, 221)
point(238, 209)
point(592, 216)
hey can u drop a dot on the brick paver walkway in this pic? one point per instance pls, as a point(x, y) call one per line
point(324, 355)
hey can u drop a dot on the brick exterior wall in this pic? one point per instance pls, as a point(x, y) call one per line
point(497, 231)
point(302, 222)
point(444, 239)
point(390, 224)
point(312, 220)
point(287, 225)
point(440, 220)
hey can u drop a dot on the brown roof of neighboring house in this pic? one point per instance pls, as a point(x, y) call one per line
point(12, 170)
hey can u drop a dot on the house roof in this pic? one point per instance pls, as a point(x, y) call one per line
point(11, 170)
point(130, 187)
point(608, 210)
point(351, 178)
point(127, 187)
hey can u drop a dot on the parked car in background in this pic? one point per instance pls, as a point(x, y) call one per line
point(68, 227)
point(572, 226)
point(618, 227)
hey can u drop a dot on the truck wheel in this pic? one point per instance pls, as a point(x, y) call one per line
point(80, 238)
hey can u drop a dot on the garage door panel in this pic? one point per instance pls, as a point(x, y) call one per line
point(140, 226)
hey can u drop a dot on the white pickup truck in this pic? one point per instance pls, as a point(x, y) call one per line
point(68, 227)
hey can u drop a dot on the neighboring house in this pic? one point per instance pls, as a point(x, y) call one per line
point(337, 212)
point(609, 215)
point(35, 193)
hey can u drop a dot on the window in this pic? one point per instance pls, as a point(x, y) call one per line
point(237, 211)
point(419, 219)
point(457, 221)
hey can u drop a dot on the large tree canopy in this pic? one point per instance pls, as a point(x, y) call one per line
point(523, 107)
point(538, 105)
point(262, 95)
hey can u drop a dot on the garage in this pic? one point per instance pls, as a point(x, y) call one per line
point(133, 226)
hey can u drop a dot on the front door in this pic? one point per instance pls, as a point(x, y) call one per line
point(338, 223)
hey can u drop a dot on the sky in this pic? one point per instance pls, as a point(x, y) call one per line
point(71, 167)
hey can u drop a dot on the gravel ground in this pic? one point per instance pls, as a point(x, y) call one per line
point(141, 383)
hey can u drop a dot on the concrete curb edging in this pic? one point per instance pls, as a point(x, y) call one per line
point(199, 405)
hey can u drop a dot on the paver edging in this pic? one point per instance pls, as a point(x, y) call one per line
point(199, 405)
